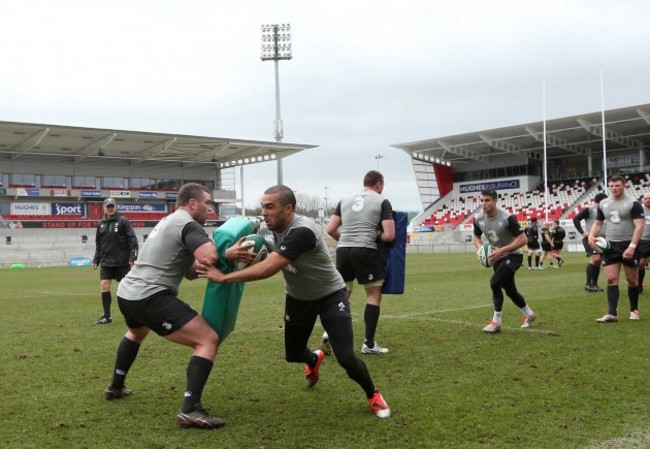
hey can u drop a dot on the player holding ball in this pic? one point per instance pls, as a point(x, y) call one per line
point(502, 230)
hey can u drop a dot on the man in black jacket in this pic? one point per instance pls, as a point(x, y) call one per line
point(116, 248)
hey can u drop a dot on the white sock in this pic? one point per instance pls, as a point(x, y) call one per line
point(497, 317)
point(527, 311)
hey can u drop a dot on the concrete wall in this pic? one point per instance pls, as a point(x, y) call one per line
point(49, 247)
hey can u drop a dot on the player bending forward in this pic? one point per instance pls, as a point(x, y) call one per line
point(313, 289)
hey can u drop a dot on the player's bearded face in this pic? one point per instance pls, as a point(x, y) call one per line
point(202, 207)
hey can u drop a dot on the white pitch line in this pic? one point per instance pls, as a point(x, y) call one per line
point(44, 294)
point(473, 324)
point(638, 439)
point(63, 294)
point(427, 316)
point(432, 312)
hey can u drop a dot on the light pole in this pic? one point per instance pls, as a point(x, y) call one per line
point(326, 206)
point(377, 158)
point(276, 46)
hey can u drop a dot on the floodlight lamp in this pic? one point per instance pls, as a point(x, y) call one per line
point(276, 42)
point(273, 156)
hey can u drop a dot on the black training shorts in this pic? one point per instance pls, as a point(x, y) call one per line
point(116, 273)
point(363, 264)
point(161, 312)
point(615, 255)
point(589, 251)
point(643, 250)
point(533, 246)
point(511, 261)
point(299, 312)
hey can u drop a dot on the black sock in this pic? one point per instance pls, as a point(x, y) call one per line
point(106, 303)
point(595, 272)
point(537, 261)
point(530, 260)
point(641, 276)
point(371, 318)
point(198, 370)
point(612, 299)
point(633, 294)
point(126, 354)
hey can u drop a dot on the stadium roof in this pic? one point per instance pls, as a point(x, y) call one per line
point(581, 135)
point(27, 139)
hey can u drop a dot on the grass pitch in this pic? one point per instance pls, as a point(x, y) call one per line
point(565, 383)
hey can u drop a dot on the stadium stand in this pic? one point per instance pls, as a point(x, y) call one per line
point(636, 186)
point(563, 195)
point(454, 212)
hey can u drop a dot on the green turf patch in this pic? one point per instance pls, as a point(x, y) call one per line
point(567, 382)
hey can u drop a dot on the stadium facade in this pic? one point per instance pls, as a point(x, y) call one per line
point(56, 177)
point(512, 159)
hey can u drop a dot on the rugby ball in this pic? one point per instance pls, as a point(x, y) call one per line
point(254, 244)
point(483, 254)
point(602, 245)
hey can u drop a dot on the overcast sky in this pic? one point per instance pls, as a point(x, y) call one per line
point(364, 75)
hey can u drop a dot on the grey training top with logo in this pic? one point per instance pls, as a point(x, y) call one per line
point(311, 275)
point(500, 231)
point(589, 215)
point(361, 215)
point(646, 227)
point(165, 257)
point(619, 216)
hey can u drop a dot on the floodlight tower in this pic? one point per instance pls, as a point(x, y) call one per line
point(276, 46)
point(326, 202)
point(377, 158)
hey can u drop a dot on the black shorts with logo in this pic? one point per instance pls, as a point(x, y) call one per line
point(511, 261)
point(299, 312)
point(615, 255)
point(643, 250)
point(363, 264)
point(161, 312)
